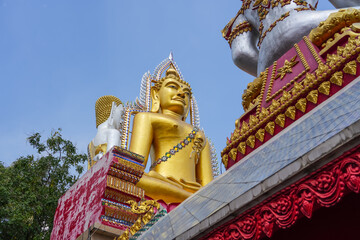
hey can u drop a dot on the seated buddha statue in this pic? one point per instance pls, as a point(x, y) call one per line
point(264, 30)
point(179, 152)
point(108, 110)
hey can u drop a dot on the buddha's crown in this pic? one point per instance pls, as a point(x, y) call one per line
point(172, 70)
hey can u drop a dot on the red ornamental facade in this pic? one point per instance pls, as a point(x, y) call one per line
point(323, 188)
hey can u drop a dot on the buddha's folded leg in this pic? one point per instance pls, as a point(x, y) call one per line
point(154, 174)
point(159, 189)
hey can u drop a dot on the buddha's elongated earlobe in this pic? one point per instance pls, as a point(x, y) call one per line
point(155, 106)
point(187, 113)
point(155, 102)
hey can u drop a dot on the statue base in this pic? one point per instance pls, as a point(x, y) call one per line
point(298, 82)
point(98, 201)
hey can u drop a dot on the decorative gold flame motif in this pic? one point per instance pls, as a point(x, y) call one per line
point(287, 68)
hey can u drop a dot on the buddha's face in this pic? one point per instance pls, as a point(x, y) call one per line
point(174, 96)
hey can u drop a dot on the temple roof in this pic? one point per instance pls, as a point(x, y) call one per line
point(317, 138)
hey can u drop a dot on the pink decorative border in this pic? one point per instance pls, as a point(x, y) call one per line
point(324, 188)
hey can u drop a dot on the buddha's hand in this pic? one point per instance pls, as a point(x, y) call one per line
point(199, 144)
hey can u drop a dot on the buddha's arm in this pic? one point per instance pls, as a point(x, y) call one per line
point(142, 134)
point(203, 168)
point(243, 48)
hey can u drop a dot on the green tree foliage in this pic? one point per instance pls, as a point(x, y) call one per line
point(31, 187)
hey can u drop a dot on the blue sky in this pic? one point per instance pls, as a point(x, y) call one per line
point(58, 57)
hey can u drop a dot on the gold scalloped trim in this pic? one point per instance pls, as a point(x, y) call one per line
point(334, 23)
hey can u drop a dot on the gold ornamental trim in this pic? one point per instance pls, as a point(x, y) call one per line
point(333, 24)
point(326, 74)
point(288, 67)
point(272, 26)
point(236, 31)
point(124, 186)
point(146, 210)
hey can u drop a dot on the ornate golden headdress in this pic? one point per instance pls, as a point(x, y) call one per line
point(103, 108)
point(170, 72)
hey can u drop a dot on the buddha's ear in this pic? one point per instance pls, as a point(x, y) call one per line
point(155, 100)
point(187, 111)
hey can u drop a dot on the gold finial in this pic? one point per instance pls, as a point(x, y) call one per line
point(103, 108)
point(171, 72)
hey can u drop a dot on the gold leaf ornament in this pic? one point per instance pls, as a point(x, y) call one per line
point(260, 134)
point(251, 141)
point(280, 120)
point(225, 159)
point(244, 127)
point(337, 78)
point(232, 154)
point(297, 88)
point(274, 105)
point(270, 128)
point(324, 88)
point(309, 79)
point(264, 113)
point(285, 97)
point(242, 147)
point(235, 135)
point(253, 120)
point(313, 96)
point(332, 59)
point(321, 70)
point(301, 105)
point(350, 68)
point(291, 112)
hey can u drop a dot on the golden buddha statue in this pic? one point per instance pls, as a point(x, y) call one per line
point(180, 153)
